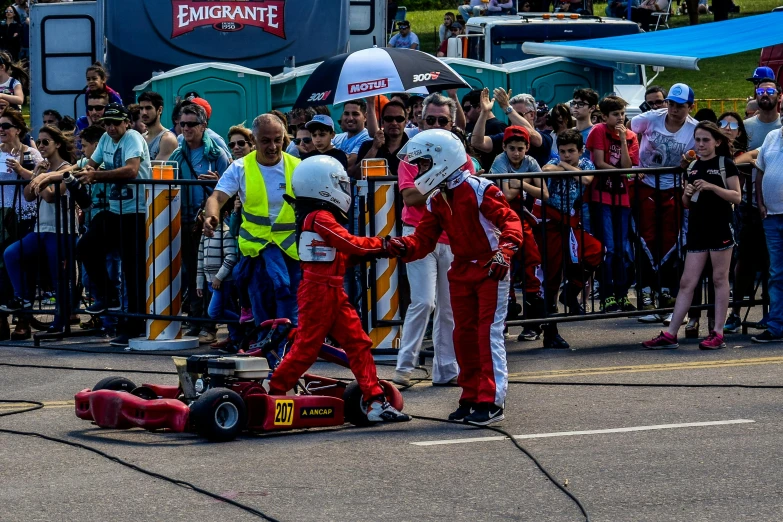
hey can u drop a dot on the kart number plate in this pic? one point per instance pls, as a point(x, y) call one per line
point(284, 413)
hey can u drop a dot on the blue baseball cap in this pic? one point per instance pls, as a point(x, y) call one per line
point(762, 73)
point(320, 119)
point(680, 93)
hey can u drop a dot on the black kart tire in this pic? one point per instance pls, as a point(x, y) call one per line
point(115, 384)
point(219, 415)
point(353, 405)
point(144, 392)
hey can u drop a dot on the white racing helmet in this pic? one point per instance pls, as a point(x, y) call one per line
point(322, 178)
point(443, 148)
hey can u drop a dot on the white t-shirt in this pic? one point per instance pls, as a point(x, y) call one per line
point(233, 182)
point(661, 148)
point(770, 160)
point(47, 212)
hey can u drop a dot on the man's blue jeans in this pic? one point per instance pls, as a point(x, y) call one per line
point(773, 228)
point(268, 302)
point(610, 227)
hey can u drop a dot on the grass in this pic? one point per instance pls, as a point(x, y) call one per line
point(719, 78)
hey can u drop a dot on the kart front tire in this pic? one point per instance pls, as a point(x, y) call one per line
point(145, 392)
point(219, 415)
point(115, 383)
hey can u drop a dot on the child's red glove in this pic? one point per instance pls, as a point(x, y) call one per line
point(500, 263)
point(395, 246)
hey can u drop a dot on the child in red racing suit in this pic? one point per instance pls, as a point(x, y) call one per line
point(325, 249)
point(484, 234)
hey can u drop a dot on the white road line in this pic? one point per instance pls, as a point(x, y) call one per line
point(587, 432)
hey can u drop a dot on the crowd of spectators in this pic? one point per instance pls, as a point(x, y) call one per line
point(619, 241)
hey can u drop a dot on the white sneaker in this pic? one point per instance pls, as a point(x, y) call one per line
point(382, 411)
point(652, 318)
point(668, 320)
point(402, 378)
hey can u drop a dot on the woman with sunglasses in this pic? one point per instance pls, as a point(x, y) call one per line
point(57, 150)
point(304, 141)
point(240, 141)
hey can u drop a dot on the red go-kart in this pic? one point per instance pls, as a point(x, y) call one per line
point(218, 397)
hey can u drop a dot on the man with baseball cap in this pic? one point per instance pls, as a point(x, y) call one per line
point(760, 74)
point(321, 127)
point(405, 39)
point(666, 135)
point(125, 156)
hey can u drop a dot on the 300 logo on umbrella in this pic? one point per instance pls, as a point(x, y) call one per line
point(373, 85)
point(426, 76)
point(319, 96)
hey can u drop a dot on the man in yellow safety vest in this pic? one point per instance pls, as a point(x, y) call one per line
point(267, 237)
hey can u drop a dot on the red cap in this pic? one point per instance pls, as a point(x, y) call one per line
point(515, 131)
point(205, 105)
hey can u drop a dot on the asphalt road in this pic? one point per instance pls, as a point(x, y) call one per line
point(726, 467)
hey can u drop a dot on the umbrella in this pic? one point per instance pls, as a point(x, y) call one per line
point(373, 71)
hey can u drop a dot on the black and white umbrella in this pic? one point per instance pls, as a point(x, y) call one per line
point(378, 70)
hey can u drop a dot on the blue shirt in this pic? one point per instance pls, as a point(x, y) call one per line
point(565, 191)
point(125, 199)
point(404, 42)
point(350, 145)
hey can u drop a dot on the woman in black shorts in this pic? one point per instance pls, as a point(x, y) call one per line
point(712, 187)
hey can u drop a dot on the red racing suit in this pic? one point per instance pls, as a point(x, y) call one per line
point(324, 308)
point(477, 219)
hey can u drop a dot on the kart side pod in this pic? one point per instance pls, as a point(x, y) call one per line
point(285, 412)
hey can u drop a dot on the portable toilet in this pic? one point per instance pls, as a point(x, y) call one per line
point(287, 85)
point(237, 94)
point(553, 80)
point(479, 75)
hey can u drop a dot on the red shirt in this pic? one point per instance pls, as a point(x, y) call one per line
point(612, 189)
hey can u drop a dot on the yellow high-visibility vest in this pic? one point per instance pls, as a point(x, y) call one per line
point(257, 231)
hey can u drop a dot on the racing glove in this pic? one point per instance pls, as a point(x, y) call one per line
point(395, 246)
point(500, 263)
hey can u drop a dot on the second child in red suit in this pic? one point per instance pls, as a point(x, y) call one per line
point(484, 234)
point(322, 191)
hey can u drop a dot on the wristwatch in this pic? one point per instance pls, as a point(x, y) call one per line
point(508, 110)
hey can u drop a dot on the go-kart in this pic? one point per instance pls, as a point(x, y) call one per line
point(219, 396)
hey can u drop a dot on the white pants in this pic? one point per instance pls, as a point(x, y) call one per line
point(429, 283)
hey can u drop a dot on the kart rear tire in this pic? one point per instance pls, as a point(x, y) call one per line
point(145, 392)
point(352, 397)
point(393, 395)
point(115, 384)
point(219, 415)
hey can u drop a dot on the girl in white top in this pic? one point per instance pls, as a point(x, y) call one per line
point(58, 152)
point(12, 80)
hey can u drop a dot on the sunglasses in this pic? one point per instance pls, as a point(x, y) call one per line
point(297, 141)
point(50, 122)
point(398, 119)
point(442, 120)
point(467, 107)
point(189, 124)
point(578, 104)
point(238, 143)
point(658, 103)
point(43, 143)
point(91, 108)
point(733, 125)
point(769, 91)
point(6, 126)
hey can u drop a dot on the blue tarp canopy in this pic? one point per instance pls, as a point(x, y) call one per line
point(682, 47)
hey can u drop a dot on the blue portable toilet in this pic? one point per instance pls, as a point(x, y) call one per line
point(237, 94)
point(479, 75)
point(553, 80)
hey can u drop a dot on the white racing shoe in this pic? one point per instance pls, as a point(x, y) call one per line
point(379, 410)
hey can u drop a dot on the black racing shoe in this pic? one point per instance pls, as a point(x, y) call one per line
point(484, 414)
point(460, 413)
point(555, 341)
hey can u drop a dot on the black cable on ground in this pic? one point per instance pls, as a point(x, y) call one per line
point(523, 450)
point(35, 405)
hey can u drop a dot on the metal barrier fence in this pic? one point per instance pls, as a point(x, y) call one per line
point(109, 244)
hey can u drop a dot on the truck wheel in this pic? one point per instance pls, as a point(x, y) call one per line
point(219, 415)
point(115, 384)
point(353, 405)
